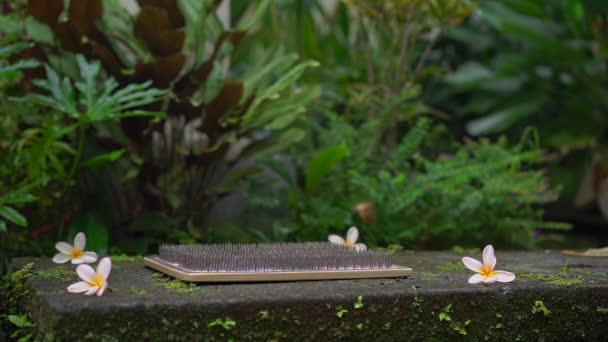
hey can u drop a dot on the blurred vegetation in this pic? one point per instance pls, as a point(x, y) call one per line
point(427, 124)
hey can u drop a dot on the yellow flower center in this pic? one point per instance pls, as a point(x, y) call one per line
point(487, 271)
point(76, 253)
point(349, 244)
point(97, 280)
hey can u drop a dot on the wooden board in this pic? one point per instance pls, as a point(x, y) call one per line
point(175, 271)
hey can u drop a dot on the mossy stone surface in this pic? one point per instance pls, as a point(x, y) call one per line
point(554, 298)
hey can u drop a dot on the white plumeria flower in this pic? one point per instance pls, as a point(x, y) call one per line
point(485, 271)
point(93, 282)
point(75, 253)
point(351, 237)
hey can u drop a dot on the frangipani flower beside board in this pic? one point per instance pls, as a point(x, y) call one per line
point(351, 238)
point(74, 253)
point(485, 272)
point(93, 282)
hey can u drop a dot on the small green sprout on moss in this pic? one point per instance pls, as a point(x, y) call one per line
point(539, 306)
point(23, 327)
point(138, 292)
point(444, 315)
point(61, 273)
point(225, 323)
point(359, 303)
point(340, 311)
point(601, 310)
point(360, 326)
point(387, 326)
point(175, 284)
point(264, 314)
point(460, 329)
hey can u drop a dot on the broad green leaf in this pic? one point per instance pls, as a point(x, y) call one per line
point(468, 74)
point(2, 226)
point(10, 24)
point(105, 158)
point(95, 230)
point(19, 321)
point(272, 92)
point(18, 198)
point(13, 70)
point(322, 164)
point(13, 216)
point(8, 50)
point(261, 8)
point(39, 32)
point(504, 117)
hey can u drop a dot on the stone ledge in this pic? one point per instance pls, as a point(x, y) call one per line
point(553, 298)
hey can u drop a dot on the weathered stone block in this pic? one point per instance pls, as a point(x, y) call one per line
point(554, 298)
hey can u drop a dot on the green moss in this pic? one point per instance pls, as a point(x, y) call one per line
point(62, 273)
point(175, 284)
point(562, 278)
point(138, 292)
point(19, 276)
point(124, 257)
point(427, 275)
point(391, 249)
point(539, 306)
point(601, 309)
point(452, 266)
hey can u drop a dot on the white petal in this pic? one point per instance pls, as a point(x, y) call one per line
point(91, 291)
point(333, 238)
point(80, 241)
point(360, 247)
point(490, 280)
point(64, 247)
point(89, 257)
point(476, 279)
point(104, 267)
point(61, 258)
point(352, 235)
point(77, 261)
point(85, 272)
point(79, 287)
point(489, 258)
point(472, 264)
point(102, 289)
point(504, 276)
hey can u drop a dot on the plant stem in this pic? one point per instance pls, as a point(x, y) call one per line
point(82, 128)
point(425, 54)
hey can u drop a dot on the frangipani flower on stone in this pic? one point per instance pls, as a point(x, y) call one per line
point(485, 271)
point(93, 282)
point(75, 253)
point(351, 238)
